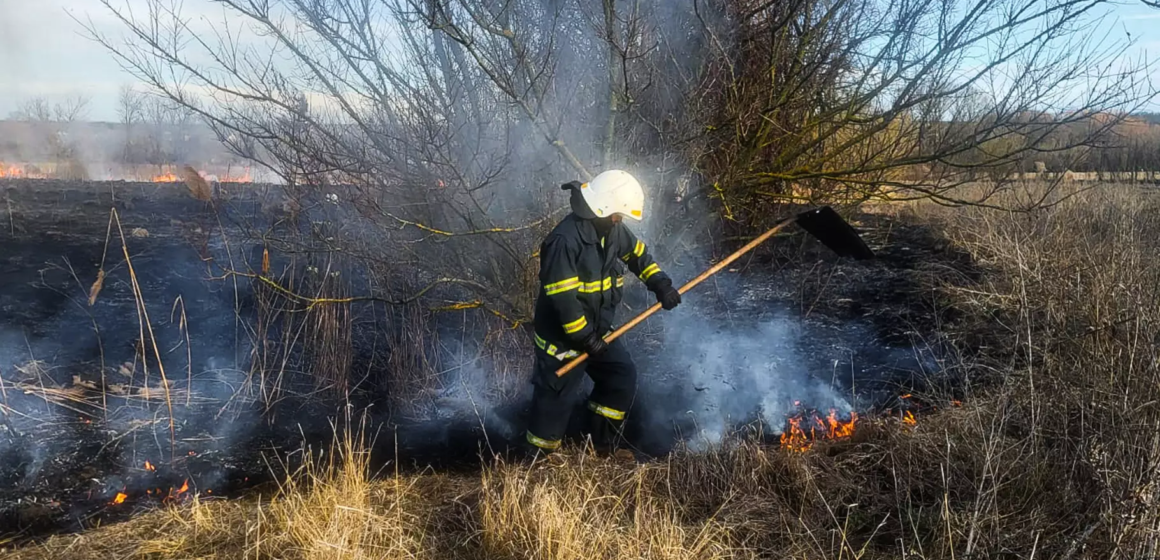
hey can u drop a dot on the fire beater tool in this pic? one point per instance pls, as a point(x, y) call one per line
point(823, 223)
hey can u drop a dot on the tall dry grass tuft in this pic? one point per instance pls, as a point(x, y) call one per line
point(1073, 303)
point(586, 509)
point(412, 364)
point(328, 335)
point(331, 509)
point(198, 188)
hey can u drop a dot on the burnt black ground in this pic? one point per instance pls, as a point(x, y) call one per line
point(877, 322)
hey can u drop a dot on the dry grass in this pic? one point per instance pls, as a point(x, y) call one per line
point(1054, 453)
point(198, 188)
point(334, 509)
point(587, 509)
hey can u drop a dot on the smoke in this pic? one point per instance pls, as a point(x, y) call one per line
point(470, 395)
point(730, 376)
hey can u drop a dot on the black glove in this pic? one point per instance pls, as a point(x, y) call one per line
point(667, 295)
point(571, 186)
point(594, 344)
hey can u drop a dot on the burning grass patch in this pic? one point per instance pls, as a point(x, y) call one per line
point(1051, 452)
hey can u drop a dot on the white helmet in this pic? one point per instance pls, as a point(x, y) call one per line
point(614, 192)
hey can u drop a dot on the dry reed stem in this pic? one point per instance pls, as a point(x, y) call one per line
point(143, 324)
point(198, 188)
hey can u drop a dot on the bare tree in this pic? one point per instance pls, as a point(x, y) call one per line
point(37, 109)
point(448, 123)
point(130, 111)
point(903, 100)
point(72, 108)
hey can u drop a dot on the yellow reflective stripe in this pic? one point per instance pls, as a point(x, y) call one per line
point(553, 351)
point(590, 287)
point(576, 326)
point(639, 248)
point(610, 413)
point(562, 286)
point(649, 271)
point(620, 282)
point(542, 443)
point(598, 285)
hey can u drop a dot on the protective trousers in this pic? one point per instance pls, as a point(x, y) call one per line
point(614, 377)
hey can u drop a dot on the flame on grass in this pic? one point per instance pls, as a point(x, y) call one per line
point(805, 428)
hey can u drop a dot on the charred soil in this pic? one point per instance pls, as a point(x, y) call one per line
point(86, 407)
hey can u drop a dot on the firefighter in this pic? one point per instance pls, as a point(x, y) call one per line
point(582, 264)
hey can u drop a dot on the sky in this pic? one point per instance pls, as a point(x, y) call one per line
point(44, 52)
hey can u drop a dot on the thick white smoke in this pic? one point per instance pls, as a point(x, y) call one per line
point(719, 372)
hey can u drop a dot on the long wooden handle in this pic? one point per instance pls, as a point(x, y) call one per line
point(688, 286)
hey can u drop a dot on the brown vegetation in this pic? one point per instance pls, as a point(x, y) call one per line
point(1052, 454)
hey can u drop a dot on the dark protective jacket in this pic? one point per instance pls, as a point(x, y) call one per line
point(582, 281)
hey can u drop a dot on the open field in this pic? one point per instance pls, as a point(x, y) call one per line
point(1042, 445)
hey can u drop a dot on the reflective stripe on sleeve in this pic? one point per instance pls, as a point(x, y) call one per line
point(610, 413)
point(577, 325)
point(542, 443)
point(620, 282)
point(553, 351)
point(649, 271)
point(639, 250)
point(562, 286)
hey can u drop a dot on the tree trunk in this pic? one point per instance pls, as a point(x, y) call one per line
point(614, 65)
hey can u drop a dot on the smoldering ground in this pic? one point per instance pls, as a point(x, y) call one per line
point(81, 417)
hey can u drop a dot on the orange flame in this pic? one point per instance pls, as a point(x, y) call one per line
point(909, 419)
point(120, 499)
point(17, 171)
point(10, 171)
point(794, 438)
point(243, 178)
point(804, 429)
point(839, 429)
point(149, 466)
point(165, 178)
point(175, 493)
